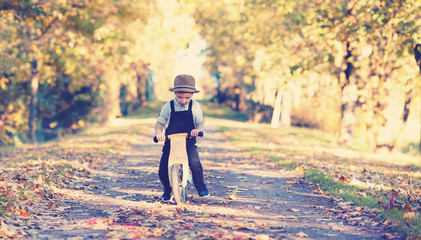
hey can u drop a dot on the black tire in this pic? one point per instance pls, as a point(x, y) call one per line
point(180, 193)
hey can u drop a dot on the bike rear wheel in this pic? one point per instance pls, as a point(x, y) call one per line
point(180, 192)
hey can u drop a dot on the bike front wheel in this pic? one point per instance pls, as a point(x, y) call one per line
point(180, 192)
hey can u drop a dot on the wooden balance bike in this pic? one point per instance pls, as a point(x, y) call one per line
point(178, 165)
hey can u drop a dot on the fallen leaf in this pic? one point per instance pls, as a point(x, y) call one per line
point(407, 208)
point(233, 196)
point(292, 182)
point(299, 169)
point(91, 221)
point(240, 227)
point(52, 205)
point(410, 215)
point(343, 178)
point(8, 231)
point(267, 182)
point(286, 217)
point(389, 236)
point(24, 214)
point(301, 234)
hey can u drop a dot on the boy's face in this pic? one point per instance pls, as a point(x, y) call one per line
point(183, 98)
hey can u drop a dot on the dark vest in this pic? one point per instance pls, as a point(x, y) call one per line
point(181, 122)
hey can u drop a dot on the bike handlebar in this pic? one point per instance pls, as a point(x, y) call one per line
point(187, 136)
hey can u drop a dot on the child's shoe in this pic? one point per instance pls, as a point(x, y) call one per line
point(166, 196)
point(203, 192)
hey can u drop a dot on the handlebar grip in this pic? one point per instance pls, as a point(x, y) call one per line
point(200, 134)
point(156, 139)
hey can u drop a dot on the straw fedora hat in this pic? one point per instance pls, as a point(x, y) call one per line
point(184, 83)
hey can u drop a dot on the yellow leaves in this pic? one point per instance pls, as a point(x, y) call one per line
point(240, 60)
point(70, 67)
point(248, 80)
point(292, 182)
point(58, 51)
point(81, 123)
point(53, 124)
point(411, 215)
point(3, 82)
point(38, 32)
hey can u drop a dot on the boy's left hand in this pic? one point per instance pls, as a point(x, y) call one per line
point(194, 132)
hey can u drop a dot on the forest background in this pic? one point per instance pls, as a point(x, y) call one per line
point(348, 67)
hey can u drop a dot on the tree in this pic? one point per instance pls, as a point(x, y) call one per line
point(391, 38)
point(362, 43)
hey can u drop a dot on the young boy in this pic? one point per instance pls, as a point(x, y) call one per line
point(181, 115)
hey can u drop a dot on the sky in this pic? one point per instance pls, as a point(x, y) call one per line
point(191, 59)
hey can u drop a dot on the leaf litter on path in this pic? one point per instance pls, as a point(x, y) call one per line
point(103, 183)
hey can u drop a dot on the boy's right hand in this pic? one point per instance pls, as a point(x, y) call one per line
point(160, 137)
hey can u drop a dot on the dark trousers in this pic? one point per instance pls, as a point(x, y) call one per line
point(194, 163)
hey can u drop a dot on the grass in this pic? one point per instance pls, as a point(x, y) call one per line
point(149, 110)
point(216, 110)
point(348, 193)
point(3, 200)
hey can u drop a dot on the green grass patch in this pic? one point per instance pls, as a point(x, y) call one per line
point(255, 151)
point(288, 164)
point(347, 192)
point(1, 211)
point(411, 226)
point(3, 198)
point(148, 110)
point(216, 110)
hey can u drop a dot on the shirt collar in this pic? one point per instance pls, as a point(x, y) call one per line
point(179, 106)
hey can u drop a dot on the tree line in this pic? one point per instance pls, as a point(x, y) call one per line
point(317, 63)
point(65, 63)
point(351, 67)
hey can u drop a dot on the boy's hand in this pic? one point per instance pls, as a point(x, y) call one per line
point(160, 137)
point(159, 133)
point(194, 132)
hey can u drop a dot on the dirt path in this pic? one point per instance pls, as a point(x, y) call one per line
point(250, 199)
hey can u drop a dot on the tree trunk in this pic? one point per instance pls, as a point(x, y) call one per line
point(404, 117)
point(112, 102)
point(242, 106)
point(349, 99)
point(33, 101)
point(348, 119)
point(277, 109)
point(286, 109)
point(417, 54)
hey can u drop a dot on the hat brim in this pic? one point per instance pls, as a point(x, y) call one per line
point(184, 89)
